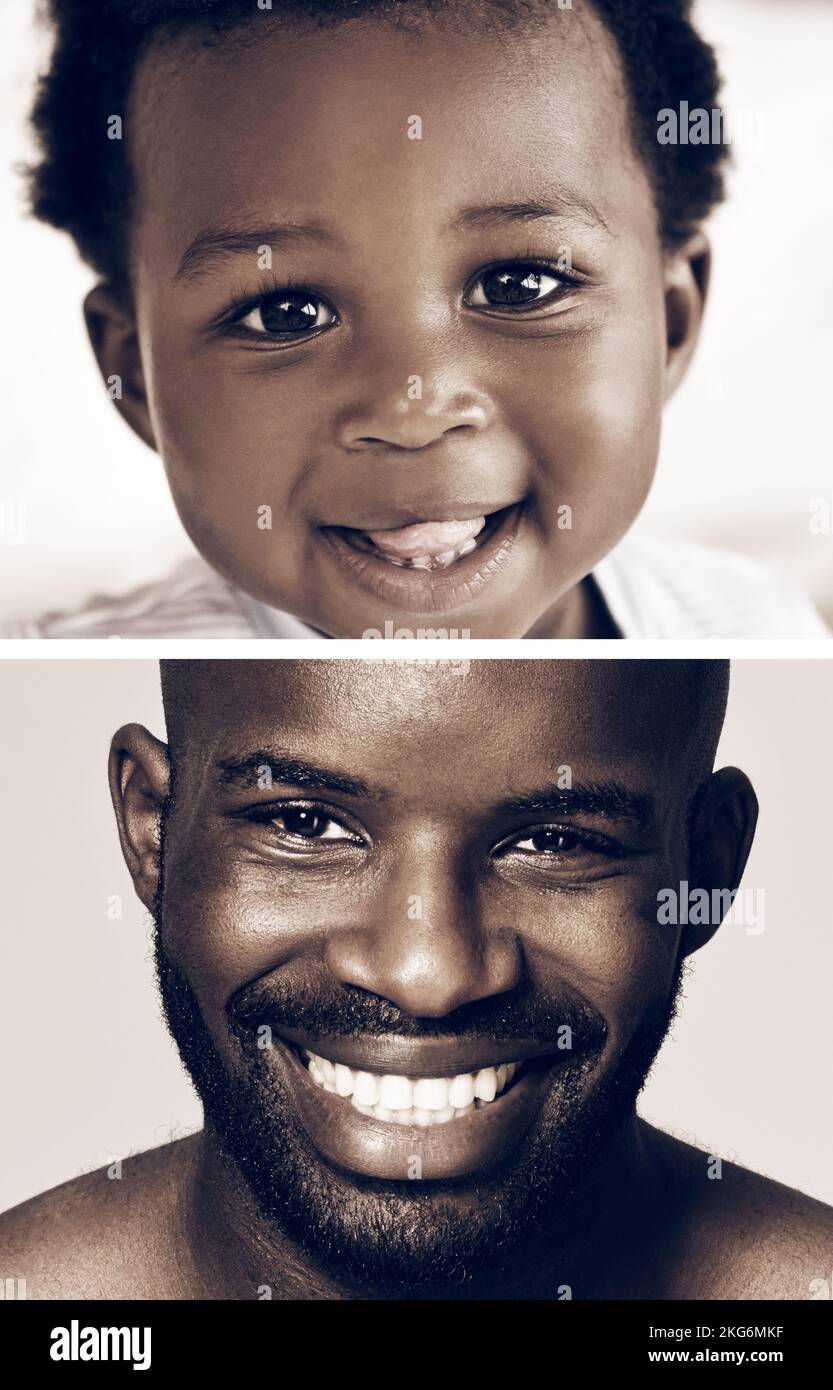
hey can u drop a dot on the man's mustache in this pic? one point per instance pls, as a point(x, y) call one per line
point(318, 1008)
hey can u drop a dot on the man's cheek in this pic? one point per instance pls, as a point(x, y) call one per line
point(213, 932)
point(609, 947)
point(228, 921)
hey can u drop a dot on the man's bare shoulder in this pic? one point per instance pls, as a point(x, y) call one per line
point(101, 1235)
point(743, 1235)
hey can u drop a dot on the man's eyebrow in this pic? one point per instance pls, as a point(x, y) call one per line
point(489, 215)
point(611, 800)
point(217, 244)
point(245, 773)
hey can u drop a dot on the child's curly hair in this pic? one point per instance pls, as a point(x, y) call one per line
point(82, 185)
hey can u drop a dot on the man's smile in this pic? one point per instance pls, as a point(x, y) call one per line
point(405, 1100)
point(447, 1120)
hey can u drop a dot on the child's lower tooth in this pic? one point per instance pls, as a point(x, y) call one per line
point(433, 562)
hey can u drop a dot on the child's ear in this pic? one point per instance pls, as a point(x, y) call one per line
point(112, 330)
point(686, 284)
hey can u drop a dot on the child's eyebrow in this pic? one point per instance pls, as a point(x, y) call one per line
point(572, 206)
point(216, 244)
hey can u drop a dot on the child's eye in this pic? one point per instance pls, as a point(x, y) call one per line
point(288, 313)
point(505, 286)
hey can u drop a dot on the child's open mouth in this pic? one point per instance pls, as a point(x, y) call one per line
point(427, 565)
point(424, 545)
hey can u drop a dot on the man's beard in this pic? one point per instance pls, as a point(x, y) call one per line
point(414, 1237)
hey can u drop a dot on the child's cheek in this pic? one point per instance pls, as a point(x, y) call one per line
point(233, 453)
point(593, 430)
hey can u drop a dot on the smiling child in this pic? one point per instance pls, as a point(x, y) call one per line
point(398, 293)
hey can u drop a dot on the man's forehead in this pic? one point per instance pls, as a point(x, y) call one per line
point(395, 722)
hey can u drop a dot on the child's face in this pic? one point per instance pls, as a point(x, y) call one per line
point(421, 392)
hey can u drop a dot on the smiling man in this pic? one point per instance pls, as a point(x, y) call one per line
point(409, 948)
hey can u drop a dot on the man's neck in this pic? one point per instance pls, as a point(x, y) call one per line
point(615, 1223)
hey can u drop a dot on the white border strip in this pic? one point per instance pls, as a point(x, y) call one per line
point(498, 648)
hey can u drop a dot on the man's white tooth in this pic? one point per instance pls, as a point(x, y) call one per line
point(461, 1091)
point(365, 1109)
point(502, 1076)
point(343, 1079)
point(485, 1084)
point(396, 1093)
point(421, 562)
point(315, 1071)
point(404, 1117)
point(511, 1068)
point(382, 1113)
point(365, 1088)
point(430, 1094)
point(464, 1110)
point(422, 1117)
point(442, 1117)
point(467, 547)
point(328, 1070)
point(446, 557)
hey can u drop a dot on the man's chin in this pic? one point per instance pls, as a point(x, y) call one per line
point(413, 1235)
point(403, 1236)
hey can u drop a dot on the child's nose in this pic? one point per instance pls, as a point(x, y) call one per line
point(394, 422)
point(409, 400)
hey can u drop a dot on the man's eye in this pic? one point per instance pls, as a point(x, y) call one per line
point(288, 313)
point(551, 842)
point(507, 285)
point(308, 824)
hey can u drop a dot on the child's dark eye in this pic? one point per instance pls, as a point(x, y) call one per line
point(505, 286)
point(287, 314)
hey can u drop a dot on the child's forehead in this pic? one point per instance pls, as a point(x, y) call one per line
point(566, 58)
point(287, 107)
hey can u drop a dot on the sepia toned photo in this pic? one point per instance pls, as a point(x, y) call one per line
point(419, 968)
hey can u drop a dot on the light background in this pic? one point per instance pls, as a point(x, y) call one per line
point(88, 1072)
point(747, 440)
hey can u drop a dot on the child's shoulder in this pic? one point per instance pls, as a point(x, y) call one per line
point(677, 589)
point(192, 601)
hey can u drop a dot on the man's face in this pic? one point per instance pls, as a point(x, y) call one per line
point(422, 876)
point(386, 278)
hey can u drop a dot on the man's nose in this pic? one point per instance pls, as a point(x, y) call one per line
point(410, 399)
point(427, 949)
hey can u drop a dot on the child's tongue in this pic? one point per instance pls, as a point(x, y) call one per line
point(426, 537)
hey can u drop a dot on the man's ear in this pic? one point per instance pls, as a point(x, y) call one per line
point(112, 329)
point(139, 773)
point(687, 270)
point(722, 830)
